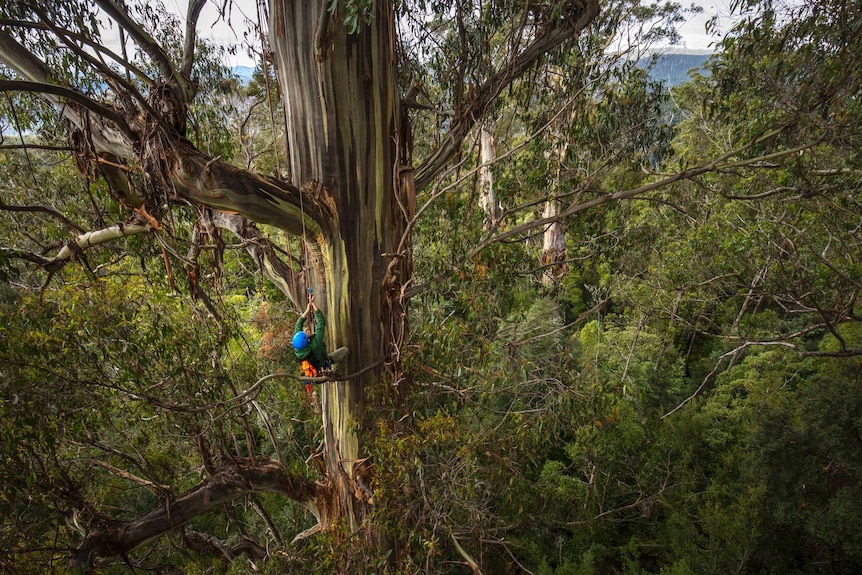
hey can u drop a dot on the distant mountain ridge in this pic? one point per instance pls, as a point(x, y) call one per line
point(672, 67)
point(244, 73)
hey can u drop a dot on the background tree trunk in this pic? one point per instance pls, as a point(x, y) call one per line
point(554, 238)
point(342, 108)
point(487, 196)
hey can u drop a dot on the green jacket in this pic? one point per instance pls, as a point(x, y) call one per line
point(315, 351)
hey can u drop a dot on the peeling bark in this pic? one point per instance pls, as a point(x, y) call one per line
point(342, 117)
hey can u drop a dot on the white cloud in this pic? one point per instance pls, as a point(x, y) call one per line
point(694, 32)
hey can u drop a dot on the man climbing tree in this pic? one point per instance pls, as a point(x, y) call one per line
point(310, 348)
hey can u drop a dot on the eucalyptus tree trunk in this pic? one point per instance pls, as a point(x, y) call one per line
point(553, 246)
point(487, 156)
point(554, 238)
point(342, 115)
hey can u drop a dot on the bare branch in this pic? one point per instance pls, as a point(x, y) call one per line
point(194, 12)
point(204, 542)
point(766, 194)
point(472, 563)
point(126, 475)
point(86, 240)
point(226, 484)
point(43, 210)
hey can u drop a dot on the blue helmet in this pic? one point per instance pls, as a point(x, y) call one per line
point(300, 340)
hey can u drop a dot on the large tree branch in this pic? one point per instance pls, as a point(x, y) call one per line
point(226, 484)
point(87, 240)
point(263, 199)
point(69, 94)
point(17, 57)
point(484, 96)
point(197, 178)
point(194, 12)
point(73, 96)
point(192, 175)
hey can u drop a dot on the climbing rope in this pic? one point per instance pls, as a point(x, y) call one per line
point(261, 6)
point(265, 68)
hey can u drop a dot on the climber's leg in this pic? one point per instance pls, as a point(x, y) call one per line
point(338, 356)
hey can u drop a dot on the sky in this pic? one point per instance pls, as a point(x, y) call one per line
point(212, 27)
point(693, 30)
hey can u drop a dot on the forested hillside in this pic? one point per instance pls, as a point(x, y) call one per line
point(674, 68)
point(597, 324)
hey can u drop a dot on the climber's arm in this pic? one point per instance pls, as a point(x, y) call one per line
point(320, 326)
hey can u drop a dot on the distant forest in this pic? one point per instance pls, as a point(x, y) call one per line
point(673, 69)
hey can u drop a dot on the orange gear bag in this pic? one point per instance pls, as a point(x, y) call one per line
point(308, 370)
